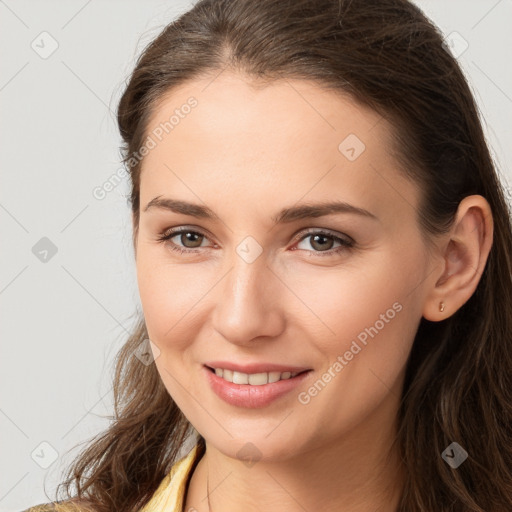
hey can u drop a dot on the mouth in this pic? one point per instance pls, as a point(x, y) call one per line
point(254, 379)
point(254, 390)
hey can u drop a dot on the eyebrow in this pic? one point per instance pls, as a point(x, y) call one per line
point(290, 214)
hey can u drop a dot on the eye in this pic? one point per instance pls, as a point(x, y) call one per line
point(322, 241)
point(190, 239)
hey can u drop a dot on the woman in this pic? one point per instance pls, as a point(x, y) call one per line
point(323, 258)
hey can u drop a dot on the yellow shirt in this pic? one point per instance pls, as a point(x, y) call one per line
point(169, 497)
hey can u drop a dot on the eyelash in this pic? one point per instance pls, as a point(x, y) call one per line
point(345, 244)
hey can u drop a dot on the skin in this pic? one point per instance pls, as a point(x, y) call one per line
point(246, 151)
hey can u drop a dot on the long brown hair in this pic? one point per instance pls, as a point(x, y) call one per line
point(386, 54)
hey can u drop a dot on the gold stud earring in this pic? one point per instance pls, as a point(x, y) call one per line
point(441, 306)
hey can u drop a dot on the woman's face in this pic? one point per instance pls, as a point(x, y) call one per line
point(249, 289)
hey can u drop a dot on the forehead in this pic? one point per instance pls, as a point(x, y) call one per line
point(287, 140)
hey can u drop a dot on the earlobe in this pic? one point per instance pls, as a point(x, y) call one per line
point(437, 311)
point(463, 259)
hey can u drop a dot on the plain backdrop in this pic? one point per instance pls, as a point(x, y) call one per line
point(68, 290)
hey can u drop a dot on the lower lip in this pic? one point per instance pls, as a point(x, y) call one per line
point(245, 395)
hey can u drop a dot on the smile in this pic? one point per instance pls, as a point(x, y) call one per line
point(254, 379)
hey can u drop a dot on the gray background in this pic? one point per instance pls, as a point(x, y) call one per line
point(65, 315)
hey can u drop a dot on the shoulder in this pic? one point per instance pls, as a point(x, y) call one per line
point(60, 506)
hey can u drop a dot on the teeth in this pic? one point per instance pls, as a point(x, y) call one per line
point(255, 379)
point(240, 378)
point(274, 376)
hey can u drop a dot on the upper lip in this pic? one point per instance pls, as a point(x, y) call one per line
point(255, 367)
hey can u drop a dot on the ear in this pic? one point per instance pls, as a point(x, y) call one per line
point(463, 254)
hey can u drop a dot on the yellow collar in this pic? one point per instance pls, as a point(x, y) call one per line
point(169, 497)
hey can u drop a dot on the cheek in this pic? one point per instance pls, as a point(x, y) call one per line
point(169, 295)
point(341, 303)
point(372, 318)
point(368, 301)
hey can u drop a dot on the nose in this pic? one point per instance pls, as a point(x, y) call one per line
point(248, 304)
